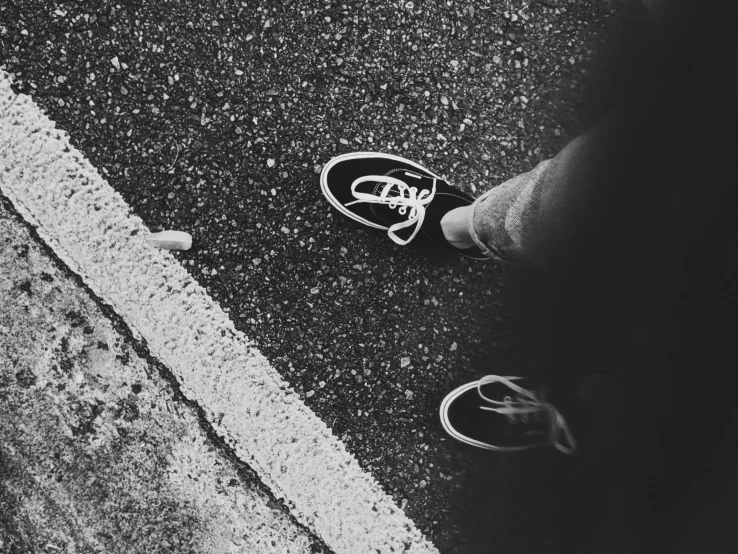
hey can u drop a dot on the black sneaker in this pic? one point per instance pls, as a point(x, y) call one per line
point(394, 194)
point(505, 413)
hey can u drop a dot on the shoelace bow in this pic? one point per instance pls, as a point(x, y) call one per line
point(525, 404)
point(408, 197)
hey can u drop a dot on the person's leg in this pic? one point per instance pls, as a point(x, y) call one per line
point(544, 215)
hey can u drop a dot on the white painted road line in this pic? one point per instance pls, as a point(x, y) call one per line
point(247, 402)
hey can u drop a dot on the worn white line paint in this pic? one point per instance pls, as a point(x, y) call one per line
point(91, 228)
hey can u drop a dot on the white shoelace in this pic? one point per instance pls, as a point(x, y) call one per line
point(526, 404)
point(408, 198)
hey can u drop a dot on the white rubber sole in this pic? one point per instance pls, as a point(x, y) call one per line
point(352, 156)
point(453, 395)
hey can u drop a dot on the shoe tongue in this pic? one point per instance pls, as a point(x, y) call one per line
point(498, 391)
point(495, 391)
point(376, 187)
point(412, 179)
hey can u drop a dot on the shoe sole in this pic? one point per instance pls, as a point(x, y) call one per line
point(453, 395)
point(353, 155)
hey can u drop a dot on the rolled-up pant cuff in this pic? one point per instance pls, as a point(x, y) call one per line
point(502, 216)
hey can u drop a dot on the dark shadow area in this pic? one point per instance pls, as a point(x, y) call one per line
point(635, 330)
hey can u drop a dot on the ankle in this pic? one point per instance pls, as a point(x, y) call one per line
point(455, 227)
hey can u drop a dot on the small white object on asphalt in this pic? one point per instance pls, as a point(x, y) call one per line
point(170, 240)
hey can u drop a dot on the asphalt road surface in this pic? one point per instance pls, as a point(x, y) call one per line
point(215, 118)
